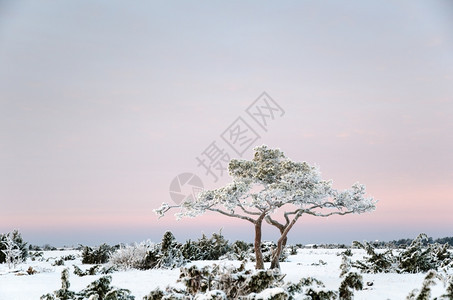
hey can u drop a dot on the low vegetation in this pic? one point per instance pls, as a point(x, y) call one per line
point(217, 281)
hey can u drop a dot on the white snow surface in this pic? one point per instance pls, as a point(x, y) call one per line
point(16, 284)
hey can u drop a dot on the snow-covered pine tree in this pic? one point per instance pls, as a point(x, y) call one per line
point(220, 246)
point(345, 265)
point(190, 250)
point(13, 249)
point(272, 183)
point(64, 293)
point(96, 255)
point(352, 281)
point(449, 291)
point(170, 255)
point(375, 262)
point(417, 257)
point(102, 289)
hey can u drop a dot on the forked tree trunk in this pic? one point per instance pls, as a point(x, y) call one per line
point(275, 262)
point(258, 254)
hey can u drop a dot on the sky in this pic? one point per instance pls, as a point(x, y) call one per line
point(104, 103)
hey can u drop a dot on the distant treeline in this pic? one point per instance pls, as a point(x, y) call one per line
point(444, 240)
point(401, 243)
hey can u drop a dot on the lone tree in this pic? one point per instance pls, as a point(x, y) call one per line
point(272, 184)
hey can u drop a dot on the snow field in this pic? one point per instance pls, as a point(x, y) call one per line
point(322, 264)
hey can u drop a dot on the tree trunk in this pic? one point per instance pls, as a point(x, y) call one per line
point(258, 254)
point(281, 243)
point(275, 262)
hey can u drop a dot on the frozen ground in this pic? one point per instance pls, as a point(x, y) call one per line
point(14, 285)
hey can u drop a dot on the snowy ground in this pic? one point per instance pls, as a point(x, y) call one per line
point(16, 286)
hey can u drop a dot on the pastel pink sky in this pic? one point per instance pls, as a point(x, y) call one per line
point(102, 104)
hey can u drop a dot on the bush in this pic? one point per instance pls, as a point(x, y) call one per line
point(206, 248)
point(419, 256)
point(94, 270)
point(102, 289)
point(132, 256)
point(146, 255)
point(58, 262)
point(229, 282)
point(64, 293)
point(425, 292)
point(234, 282)
point(99, 289)
point(375, 262)
point(311, 287)
point(97, 255)
point(169, 256)
point(351, 282)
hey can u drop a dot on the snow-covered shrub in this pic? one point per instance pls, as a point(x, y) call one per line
point(345, 265)
point(234, 282)
point(169, 256)
point(68, 257)
point(94, 270)
point(311, 288)
point(214, 247)
point(241, 250)
point(268, 248)
point(375, 262)
point(13, 249)
point(146, 255)
point(419, 256)
point(48, 296)
point(99, 289)
point(36, 256)
point(293, 249)
point(97, 255)
point(170, 293)
point(190, 250)
point(449, 290)
point(102, 289)
point(156, 294)
point(229, 282)
point(425, 292)
point(64, 293)
point(58, 262)
point(132, 256)
point(351, 282)
point(277, 293)
point(211, 295)
point(206, 248)
point(430, 280)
